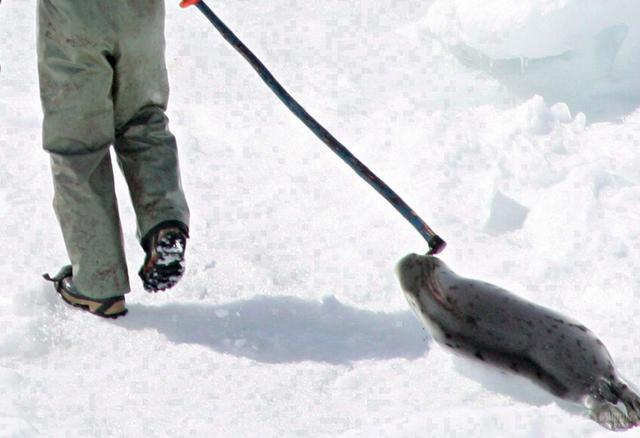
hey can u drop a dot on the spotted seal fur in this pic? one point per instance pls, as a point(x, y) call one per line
point(489, 324)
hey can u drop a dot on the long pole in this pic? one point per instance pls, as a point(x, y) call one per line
point(436, 244)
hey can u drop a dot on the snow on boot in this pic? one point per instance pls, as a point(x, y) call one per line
point(164, 264)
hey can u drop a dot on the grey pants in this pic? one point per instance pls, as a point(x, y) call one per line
point(103, 82)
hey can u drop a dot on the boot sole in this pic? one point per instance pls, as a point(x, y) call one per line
point(168, 267)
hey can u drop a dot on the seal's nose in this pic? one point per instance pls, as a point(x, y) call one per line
point(406, 262)
point(408, 269)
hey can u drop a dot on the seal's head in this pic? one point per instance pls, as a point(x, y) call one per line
point(417, 275)
point(414, 270)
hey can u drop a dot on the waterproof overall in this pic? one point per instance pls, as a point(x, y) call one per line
point(103, 83)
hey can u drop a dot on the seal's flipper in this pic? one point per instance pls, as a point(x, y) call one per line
point(631, 402)
point(614, 405)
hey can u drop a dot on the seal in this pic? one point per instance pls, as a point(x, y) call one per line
point(489, 324)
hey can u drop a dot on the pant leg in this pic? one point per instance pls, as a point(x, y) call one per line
point(145, 147)
point(76, 76)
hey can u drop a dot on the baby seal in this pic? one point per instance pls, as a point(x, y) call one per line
point(489, 324)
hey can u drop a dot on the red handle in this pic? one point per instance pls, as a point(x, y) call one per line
point(187, 3)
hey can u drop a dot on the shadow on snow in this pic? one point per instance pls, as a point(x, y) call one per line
point(286, 329)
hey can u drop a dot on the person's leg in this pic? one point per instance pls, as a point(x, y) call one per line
point(76, 76)
point(145, 147)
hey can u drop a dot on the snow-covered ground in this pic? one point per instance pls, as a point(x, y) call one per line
point(582, 52)
point(290, 321)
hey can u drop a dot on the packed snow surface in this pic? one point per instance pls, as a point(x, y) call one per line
point(290, 321)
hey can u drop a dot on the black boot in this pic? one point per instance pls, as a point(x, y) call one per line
point(164, 264)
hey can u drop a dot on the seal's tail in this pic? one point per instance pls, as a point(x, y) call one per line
point(614, 405)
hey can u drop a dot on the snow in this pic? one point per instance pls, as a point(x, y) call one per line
point(290, 321)
point(581, 52)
